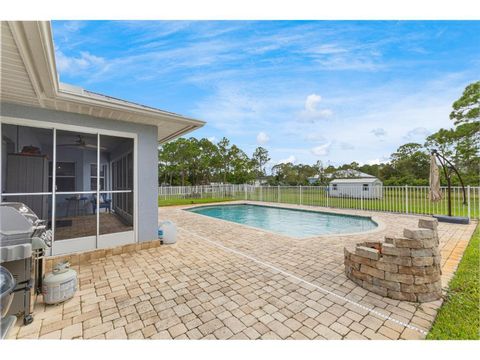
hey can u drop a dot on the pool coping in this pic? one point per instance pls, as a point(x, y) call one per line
point(380, 224)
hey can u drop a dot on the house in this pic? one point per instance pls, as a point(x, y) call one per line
point(367, 188)
point(84, 162)
point(313, 179)
point(261, 181)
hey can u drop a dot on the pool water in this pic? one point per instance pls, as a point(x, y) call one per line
point(290, 222)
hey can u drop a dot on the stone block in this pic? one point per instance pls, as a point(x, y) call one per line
point(375, 289)
point(421, 288)
point(408, 243)
point(389, 239)
point(418, 234)
point(390, 249)
point(402, 278)
point(351, 264)
point(398, 295)
point(357, 281)
point(424, 252)
point(426, 297)
point(372, 271)
point(391, 285)
point(398, 260)
point(361, 260)
point(431, 224)
point(429, 243)
point(422, 261)
point(437, 260)
point(385, 266)
point(367, 252)
point(361, 275)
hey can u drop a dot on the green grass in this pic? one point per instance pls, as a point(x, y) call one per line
point(458, 318)
point(171, 202)
point(392, 200)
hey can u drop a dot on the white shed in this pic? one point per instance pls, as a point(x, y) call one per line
point(368, 188)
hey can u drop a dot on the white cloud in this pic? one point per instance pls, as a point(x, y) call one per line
point(417, 134)
point(86, 62)
point(212, 139)
point(383, 159)
point(316, 137)
point(346, 146)
point(312, 112)
point(291, 159)
point(379, 132)
point(327, 49)
point(373, 162)
point(262, 138)
point(312, 101)
point(321, 150)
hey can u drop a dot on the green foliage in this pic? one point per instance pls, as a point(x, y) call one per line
point(195, 162)
point(290, 174)
point(458, 318)
point(260, 158)
point(467, 108)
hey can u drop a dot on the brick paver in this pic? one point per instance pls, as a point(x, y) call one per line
point(196, 290)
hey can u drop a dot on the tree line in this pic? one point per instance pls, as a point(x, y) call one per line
point(200, 161)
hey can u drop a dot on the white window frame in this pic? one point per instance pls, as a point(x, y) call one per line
point(112, 239)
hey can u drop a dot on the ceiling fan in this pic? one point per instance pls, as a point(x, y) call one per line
point(80, 143)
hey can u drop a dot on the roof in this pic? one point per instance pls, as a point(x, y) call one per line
point(29, 77)
point(349, 173)
point(355, 181)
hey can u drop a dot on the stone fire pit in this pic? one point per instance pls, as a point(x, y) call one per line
point(401, 268)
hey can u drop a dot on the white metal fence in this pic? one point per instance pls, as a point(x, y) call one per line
point(398, 199)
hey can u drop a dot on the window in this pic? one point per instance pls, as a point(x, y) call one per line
point(65, 173)
point(93, 176)
point(365, 187)
point(334, 187)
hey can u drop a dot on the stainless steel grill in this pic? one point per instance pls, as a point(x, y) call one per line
point(23, 240)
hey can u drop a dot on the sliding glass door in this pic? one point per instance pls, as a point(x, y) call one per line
point(115, 208)
point(80, 182)
point(75, 219)
point(25, 156)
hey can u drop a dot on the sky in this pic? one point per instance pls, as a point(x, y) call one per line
point(335, 91)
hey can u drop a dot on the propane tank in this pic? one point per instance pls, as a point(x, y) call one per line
point(60, 285)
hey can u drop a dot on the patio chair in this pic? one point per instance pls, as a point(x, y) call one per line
point(104, 203)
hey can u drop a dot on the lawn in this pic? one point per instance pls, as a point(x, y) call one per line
point(188, 201)
point(394, 199)
point(458, 318)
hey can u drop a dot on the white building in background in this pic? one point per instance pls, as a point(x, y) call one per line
point(367, 188)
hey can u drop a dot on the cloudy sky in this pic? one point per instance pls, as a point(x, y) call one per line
point(338, 91)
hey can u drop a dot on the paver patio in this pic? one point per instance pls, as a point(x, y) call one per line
point(226, 281)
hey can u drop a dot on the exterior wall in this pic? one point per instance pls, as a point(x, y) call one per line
point(355, 190)
point(147, 187)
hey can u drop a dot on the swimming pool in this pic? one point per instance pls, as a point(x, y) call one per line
point(291, 222)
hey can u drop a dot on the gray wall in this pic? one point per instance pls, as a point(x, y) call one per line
point(147, 186)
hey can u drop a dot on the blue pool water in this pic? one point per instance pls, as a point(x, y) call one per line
point(290, 222)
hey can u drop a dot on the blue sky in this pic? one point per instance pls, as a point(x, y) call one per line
point(335, 91)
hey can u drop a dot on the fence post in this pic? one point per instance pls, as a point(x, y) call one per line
point(300, 190)
point(406, 199)
point(468, 200)
point(278, 195)
point(245, 190)
point(361, 197)
point(328, 194)
point(261, 193)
